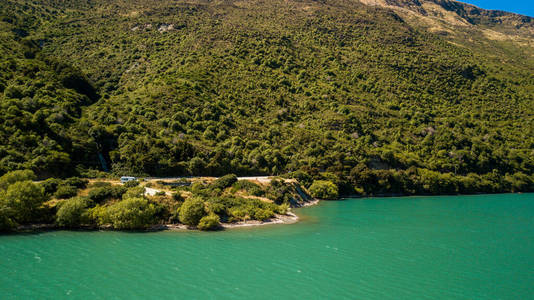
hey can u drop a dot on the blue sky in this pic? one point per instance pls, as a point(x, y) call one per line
point(524, 7)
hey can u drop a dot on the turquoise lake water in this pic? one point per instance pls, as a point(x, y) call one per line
point(453, 247)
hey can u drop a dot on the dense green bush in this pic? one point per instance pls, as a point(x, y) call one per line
point(15, 176)
point(99, 184)
point(235, 209)
point(263, 214)
point(101, 194)
point(519, 182)
point(7, 222)
point(24, 198)
point(238, 214)
point(224, 182)
point(72, 212)
point(191, 211)
point(133, 213)
point(322, 189)
point(282, 209)
point(249, 186)
point(278, 191)
point(77, 182)
point(209, 222)
point(131, 183)
point(135, 192)
point(50, 185)
point(303, 178)
point(66, 191)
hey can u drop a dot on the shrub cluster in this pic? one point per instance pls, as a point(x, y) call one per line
point(209, 222)
point(323, 189)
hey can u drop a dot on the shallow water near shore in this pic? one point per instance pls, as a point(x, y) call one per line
point(450, 247)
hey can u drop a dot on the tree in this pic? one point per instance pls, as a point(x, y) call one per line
point(66, 191)
point(15, 176)
point(224, 182)
point(71, 213)
point(192, 211)
point(197, 166)
point(133, 213)
point(6, 219)
point(50, 185)
point(131, 184)
point(25, 198)
point(263, 214)
point(323, 189)
point(101, 194)
point(303, 178)
point(135, 192)
point(209, 222)
point(76, 182)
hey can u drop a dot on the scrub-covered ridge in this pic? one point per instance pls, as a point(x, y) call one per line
point(411, 97)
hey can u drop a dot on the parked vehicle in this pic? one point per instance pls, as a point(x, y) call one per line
point(125, 179)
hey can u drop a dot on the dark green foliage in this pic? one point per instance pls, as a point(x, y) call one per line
point(65, 191)
point(101, 194)
point(191, 211)
point(38, 100)
point(76, 182)
point(209, 222)
point(130, 184)
point(263, 214)
point(15, 176)
point(133, 213)
point(519, 182)
point(24, 199)
point(278, 191)
point(235, 209)
point(99, 184)
point(72, 212)
point(249, 186)
point(50, 185)
point(7, 222)
point(303, 178)
point(322, 189)
point(423, 181)
point(224, 182)
point(135, 192)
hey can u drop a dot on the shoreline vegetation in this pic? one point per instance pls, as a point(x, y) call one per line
point(203, 203)
point(153, 204)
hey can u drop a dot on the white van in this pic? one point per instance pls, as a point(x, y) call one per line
point(125, 179)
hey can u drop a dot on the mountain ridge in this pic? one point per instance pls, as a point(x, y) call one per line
point(459, 14)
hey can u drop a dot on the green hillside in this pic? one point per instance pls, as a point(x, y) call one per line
point(41, 98)
point(371, 98)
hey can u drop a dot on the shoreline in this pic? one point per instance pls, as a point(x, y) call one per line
point(289, 218)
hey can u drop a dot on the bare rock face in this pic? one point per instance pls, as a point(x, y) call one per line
point(165, 27)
